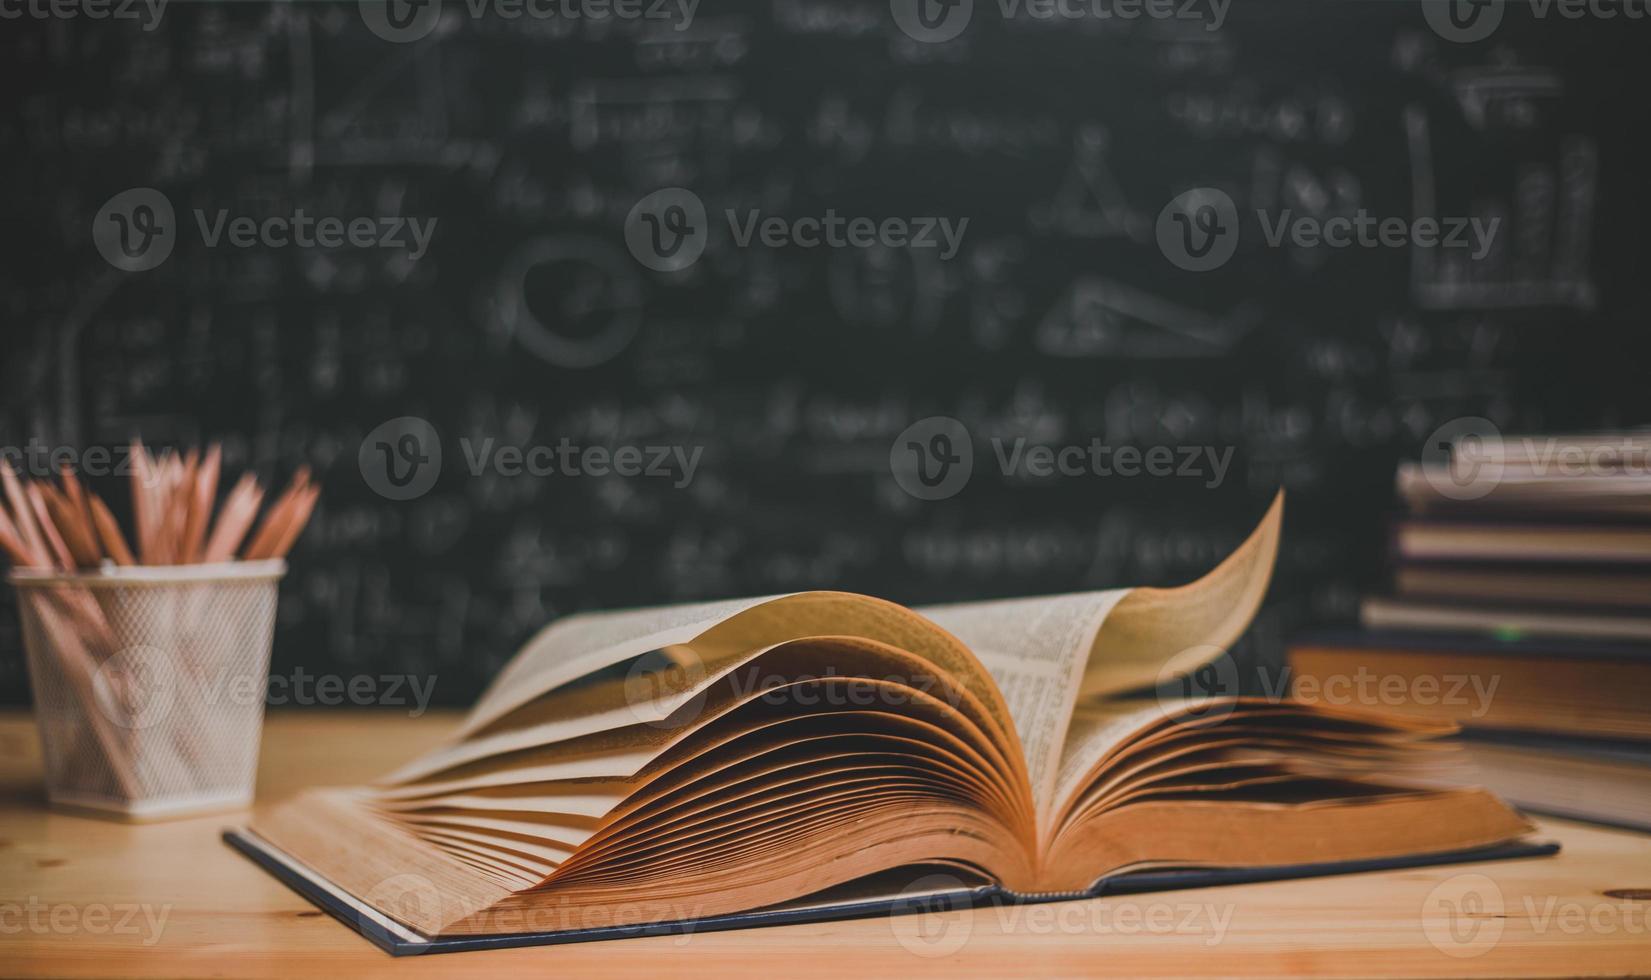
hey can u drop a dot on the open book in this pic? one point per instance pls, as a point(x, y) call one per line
point(697, 761)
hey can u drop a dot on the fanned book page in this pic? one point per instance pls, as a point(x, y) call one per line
point(699, 762)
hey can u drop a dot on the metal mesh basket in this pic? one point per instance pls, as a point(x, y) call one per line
point(149, 683)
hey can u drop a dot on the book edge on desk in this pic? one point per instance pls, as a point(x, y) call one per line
point(1468, 642)
point(398, 940)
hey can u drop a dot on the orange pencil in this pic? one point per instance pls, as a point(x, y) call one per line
point(109, 531)
point(23, 514)
point(20, 556)
point(233, 520)
point(78, 537)
point(12, 542)
point(48, 530)
point(182, 504)
point(295, 526)
point(76, 494)
point(143, 515)
point(168, 526)
point(275, 521)
point(202, 494)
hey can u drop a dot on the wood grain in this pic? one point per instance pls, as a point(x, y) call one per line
point(225, 917)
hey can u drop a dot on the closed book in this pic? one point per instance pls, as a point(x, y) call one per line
point(1508, 620)
point(1599, 689)
point(1575, 587)
point(1420, 540)
point(1583, 779)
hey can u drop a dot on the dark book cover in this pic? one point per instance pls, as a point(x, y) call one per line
point(398, 940)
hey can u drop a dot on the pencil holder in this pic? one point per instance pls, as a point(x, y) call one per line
point(149, 683)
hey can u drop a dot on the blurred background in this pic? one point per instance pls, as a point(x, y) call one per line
point(402, 242)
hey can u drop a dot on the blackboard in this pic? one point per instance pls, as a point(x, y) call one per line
point(795, 373)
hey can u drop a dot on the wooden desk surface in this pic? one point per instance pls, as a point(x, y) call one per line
point(86, 897)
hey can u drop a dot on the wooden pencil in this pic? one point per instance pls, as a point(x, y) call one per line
point(269, 530)
point(63, 524)
point(275, 520)
point(295, 526)
point(168, 526)
point(76, 495)
point(11, 543)
point(143, 515)
point(234, 518)
point(77, 536)
point(182, 504)
point(203, 493)
point(175, 517)
point(48, 530)
point(23, 516)
point(109, 531)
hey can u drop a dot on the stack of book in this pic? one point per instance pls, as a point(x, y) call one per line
point(1521, 609)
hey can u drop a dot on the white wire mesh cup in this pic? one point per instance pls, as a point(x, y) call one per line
point(149, 683)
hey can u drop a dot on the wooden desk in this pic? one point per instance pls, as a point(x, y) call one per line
point(85, 897)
